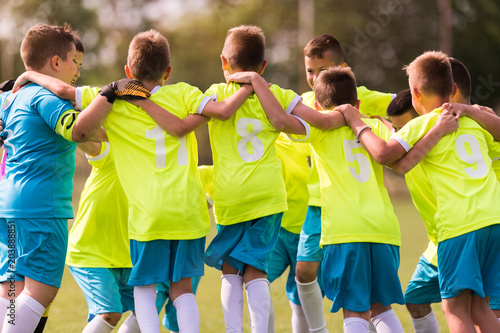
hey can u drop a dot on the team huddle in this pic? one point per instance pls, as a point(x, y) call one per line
point(296, 183)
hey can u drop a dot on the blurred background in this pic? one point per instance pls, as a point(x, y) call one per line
point(378, 36)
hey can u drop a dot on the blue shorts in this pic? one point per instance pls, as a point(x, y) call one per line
point(165, 260)
point(246, 243)
point(310, 235)
point(495, 303)
point(106, 290)
point(40, 249)
point(357, 275)
point(466, 262)
point(423, 287)
point(8, 252)
point(163, 295)
point(285, 256)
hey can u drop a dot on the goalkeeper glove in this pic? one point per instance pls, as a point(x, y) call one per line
point(125, 89)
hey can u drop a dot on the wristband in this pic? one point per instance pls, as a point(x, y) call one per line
point(361, 131)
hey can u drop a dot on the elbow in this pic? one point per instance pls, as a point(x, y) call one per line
point(383, 158)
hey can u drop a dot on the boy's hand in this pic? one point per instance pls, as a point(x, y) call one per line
point(125, 89)
point(243, 77)
point(446, 122)
point(6, 85)
point(484, 108)
point(348, 111)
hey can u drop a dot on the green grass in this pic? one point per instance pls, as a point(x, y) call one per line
point(69, 310)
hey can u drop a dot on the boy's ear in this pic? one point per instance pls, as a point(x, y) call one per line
point(54, 62)
point(128, 72)
point(357, 104)
point(415, 93)
point(167, 73)
point(262, 67)
point(454, 95)
point(344, 64)
point(225, 63)
point(317, 107)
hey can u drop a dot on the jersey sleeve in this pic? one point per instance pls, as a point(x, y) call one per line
point(66, 124)
point(373, 103)
point(51, 108)
point(410, 133)
point(194, 99)
point(85, 95)
point(99, 160)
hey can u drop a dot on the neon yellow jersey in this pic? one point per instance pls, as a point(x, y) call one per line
point(355, 204)
point(495, 164)
point(431, 253)
point(158, 171)
point(207, 179)
point(373, 103)
point(295, 170)
point(247, 174)
point(459, 171)
point(98, 237)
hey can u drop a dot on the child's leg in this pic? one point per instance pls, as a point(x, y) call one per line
point(484, 319)
point(356, 322)
point(311, 299)
point(385, 319)
point(98, 325)
point(130, 325)
point(259, 298)
point(232, 299)
point(188, 316)
point(145, 308)
point(458, 312)
point(423, 318)
point(299, 322)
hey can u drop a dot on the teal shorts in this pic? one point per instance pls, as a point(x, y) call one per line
point(246, 243)
point(357, 275)
point(423, 287)
point(40, 249)
point(466, 262)
point(310, 235)
point(495, 303)
point(163, 298)
point(165, 260)
point(106, 290)
point(285, 256)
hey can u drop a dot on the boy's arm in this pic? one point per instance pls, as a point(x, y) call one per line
point(445, 124)
point(56, 86)
point(382, 152)
point(323, 121)
point(90, 148)
point(168, 121)
point(226, 108)
point(488, 120)
point(273, 109)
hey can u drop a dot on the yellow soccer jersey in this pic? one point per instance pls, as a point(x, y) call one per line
point(158, 171)
point(459, 171)
point(431, 253)
point(247, 175)
point(295, 170)
point(207, 177)
point(98, 237)
point(495, 164)
point(355, 204)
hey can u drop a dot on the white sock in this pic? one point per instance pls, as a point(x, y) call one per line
point(387, 322)
point(231, 295)
point(299, 322)
point(98, 325)
point(26, 317)
point(4, 303)
point(498, 320)
point(130, 325)
point(355, 325)
point(271, 318)
point(145, 308)
point(259, 304)
point(188, 316)
point(427, 324)
point(371, 327)
point(311, 300)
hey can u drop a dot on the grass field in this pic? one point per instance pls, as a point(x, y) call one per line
point(69, 311)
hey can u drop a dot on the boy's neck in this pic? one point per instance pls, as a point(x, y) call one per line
point(433, 102)
point(150, 85)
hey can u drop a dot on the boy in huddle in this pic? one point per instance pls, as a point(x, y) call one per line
point(468, 254)
point(320, 53)
point(249, 192)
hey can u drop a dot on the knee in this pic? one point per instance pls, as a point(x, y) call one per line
point(111, 318)
point(305, 273)
point(418, 310)
point(378, 308)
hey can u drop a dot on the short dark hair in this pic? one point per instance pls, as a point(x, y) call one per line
point(317, 47)
point(148, 56)
point(44, 41)
point(335, 86)
point(400, 104)
point(461, 77)
point(244, 47)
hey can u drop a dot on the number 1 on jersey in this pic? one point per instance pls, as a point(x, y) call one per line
point(158, 134)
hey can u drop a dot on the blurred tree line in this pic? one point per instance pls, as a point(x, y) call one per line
point(378, 37)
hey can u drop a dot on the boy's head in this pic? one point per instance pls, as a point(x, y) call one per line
point(461, 77)
point(148, 57)
point(334, 87)
point(244, 49)
point(400, 110)
point(431, 81)
point(51, 50)
point(80, 50)
point(320, 53)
